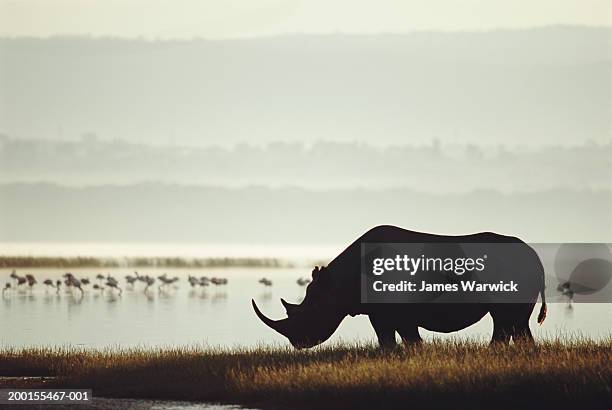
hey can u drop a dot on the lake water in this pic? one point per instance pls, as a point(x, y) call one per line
point(214, 316)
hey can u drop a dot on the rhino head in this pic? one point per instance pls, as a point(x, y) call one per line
point(315, 319)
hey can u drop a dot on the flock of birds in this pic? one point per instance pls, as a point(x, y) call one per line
point(104, 283)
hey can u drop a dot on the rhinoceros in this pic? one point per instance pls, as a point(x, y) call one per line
point(335, 293)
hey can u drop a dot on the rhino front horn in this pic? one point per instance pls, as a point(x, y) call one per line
point(281, 326)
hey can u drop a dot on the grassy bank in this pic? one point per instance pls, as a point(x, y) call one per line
point(434, 375)
point(136, 262)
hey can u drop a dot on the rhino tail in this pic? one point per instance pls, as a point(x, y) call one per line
point(543, 308)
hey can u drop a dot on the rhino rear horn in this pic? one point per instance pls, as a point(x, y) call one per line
point(289, 307)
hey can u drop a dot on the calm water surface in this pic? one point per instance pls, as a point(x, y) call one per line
point(214, 316)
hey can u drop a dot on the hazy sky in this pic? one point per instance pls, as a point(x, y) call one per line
point(247, 18)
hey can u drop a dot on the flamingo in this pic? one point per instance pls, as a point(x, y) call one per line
point(148, 280)
point(265, 281)
point(49, 283)
point(143, 279)
point(31, 280)
point(193, 281)
point(112, 283)
point(74, 282)
point(566, 290)
point(166, 280)
point(71, 281)
point(131, 279)
point(219, 281)
point(21, 280)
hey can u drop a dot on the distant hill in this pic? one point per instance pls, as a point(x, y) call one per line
point(431, 167)
point(171, 213)
point(545, 85)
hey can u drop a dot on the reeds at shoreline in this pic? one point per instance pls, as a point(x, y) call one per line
point(18, 262)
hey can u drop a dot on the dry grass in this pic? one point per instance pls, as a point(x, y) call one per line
point(453, 375)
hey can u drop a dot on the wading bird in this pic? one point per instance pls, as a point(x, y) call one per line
point(193, 281)
point(265, 281)
point(31, 280)
point(131, 279)
point(7, 286)
point(219, 281)
point(113, 284)
point(49, 283)
point(72, 282)
point(141, 278)
point(165, 280)
point(14, 275)
point(20, 280)
point(303, 281)
point(148, 280)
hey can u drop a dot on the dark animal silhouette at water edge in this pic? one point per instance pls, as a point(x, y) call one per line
point(335, 292)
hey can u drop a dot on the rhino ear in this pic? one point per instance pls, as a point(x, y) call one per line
point(319, 273)
point(315, 272)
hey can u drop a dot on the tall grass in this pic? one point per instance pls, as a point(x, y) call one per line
point(575, 374)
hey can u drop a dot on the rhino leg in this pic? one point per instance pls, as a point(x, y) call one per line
point(410, 335)
point(385, 331)
point(512, 320)
point(522, 334)
point(501, 332)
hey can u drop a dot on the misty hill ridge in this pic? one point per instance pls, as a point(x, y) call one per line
point(538, 85)
point(430, 167)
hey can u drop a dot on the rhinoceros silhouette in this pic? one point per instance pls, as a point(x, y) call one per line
point(335, 291)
